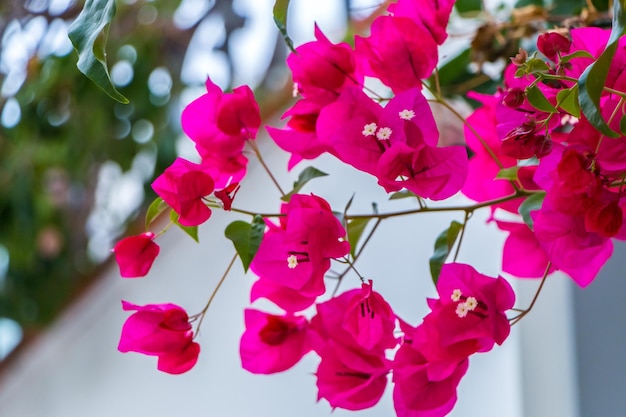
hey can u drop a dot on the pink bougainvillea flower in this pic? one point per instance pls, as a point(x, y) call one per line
point(370, 319)
point(161, 330)
point(522, 255)
point(351, 379)
point(399, 52)
point(296, 254)
point(273, 343)
point(415, 394)
point(299, 136)
point(220, 123)
point(182, 186)
point(227, 195)
point(135, 254)
point(430, 14)
point(473, 306)
point(553, 45)
point(359, 319)
point(430, 172)
point(286, 298)
point(569, 246)
point(320, 67)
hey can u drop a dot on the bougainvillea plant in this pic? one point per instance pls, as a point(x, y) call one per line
point(548, 150)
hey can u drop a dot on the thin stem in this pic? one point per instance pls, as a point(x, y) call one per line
point(518, 194)
point(520, 316)
point(254, 213)
point(201, 314)
point(356, 256)
point(255, 148)
point(458, 247)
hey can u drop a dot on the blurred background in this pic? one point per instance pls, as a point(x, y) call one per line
point(75, 169)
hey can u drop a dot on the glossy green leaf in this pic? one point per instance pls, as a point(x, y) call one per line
point(88, 34)
point(444, 243)
point(192, 231)
point(157, 207)
point(592, 80)
point(578, 54)
point(567, 99)
point(305, 176)
point(403, 194)
point(535, 65)
point(281, 8)
point(531, 203)
point(355, 231)
point(247, 238)
point(538, 100)
point(508, 173)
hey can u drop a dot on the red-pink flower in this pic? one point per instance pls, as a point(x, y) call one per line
point(220, 123)
point(415, 394)
point(472, 306)
point(161, 330)
point(273, 343)
point(320, 67)
point(351, 379)
point(182, 186)
point(399, 52)
point(431, 14)
point(360, 319)
point(296, 254)
point(135, 254)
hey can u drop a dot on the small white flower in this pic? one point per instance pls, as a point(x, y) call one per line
point(462, 310)
point(471, 303)
point(369, 129)
point(296, 90)
point(384, 133)
point(292, 261)
point(456, 295)
point(407, 114)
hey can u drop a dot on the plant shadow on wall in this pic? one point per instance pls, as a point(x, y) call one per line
point(73, 162)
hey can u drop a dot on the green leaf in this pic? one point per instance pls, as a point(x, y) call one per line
point(508, 173)
point(535, 65)
point(592, 80)
point(305, 176)
point(538, 100)
point(622, 124)
point(247, 238)
point(403, 194)
point(355, 230)
point(443, 245)
point(192, 231)
point(578, 54)
point(88, 34)
point(567, 99)
point(280, 19)
point(531, 203)
point(157, 207)
point(468, 6)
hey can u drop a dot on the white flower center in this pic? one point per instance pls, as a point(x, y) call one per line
point(456, 295)
point(292, 261)
point(406, 114)
point(384, 133)
point(462, 310)
point(471, 303)
point(369, 129)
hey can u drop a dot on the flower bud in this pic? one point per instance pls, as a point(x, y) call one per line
point(552, 43)
point(514, 97)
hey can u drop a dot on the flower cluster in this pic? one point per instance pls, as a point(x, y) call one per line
point(536, 157)
point(578, 169)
